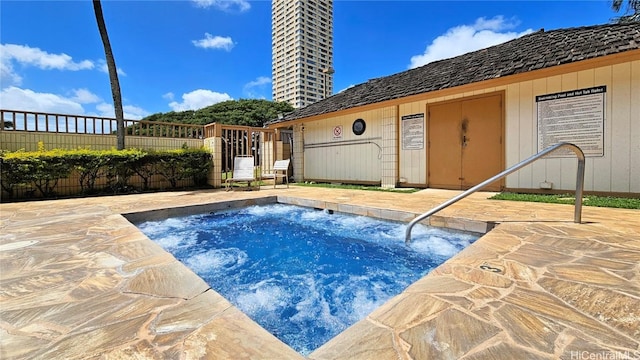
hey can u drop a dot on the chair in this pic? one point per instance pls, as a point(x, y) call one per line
point(243, 170)
point(280, 169)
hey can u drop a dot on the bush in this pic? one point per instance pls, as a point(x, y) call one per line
point(42, 169)
point(98, 171)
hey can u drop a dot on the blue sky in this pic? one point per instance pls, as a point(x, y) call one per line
point(180, 55)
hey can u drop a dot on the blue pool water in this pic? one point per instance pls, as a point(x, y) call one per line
point(303, 274)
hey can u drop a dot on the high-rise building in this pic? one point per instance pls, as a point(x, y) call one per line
point(302, 50)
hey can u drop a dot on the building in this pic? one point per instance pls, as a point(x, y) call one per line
point(454, 123)
point(302, 50)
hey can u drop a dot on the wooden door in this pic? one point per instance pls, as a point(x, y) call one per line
point(481, 125)
point(465, 143)
point(445, 156)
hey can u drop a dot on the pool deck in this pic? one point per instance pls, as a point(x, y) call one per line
point(79, 281)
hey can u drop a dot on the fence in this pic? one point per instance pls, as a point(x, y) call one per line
point(15, 120)
point(24, 129)
point(265, 145)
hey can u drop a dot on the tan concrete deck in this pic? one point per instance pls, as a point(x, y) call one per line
point(77, 281)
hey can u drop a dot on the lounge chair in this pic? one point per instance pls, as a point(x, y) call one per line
point(243, 171)
point(280, 169)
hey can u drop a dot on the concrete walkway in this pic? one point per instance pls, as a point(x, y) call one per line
point(79, 281)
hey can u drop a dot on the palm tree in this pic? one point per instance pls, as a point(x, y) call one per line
point(113, 74)
point(633, 11)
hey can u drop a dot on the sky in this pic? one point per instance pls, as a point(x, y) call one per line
point(189, 54)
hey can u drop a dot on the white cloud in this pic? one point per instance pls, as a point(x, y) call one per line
point(214, 42)
point(33, 56)
point(24, 55)
point(348, 87)
point(130, 112)
point(253, 88)
point(197, 99)
point(84, 96)
point(28, 56)
point(134, 112)
point(168, 96)
point(497, 23)
point(465, 38)
point(15, 98)
point(7, 74)
point(24, 99)
point(105, 69)
point(224, 5)
point(261, 80)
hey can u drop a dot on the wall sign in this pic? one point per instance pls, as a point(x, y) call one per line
point(337, 132)
point(573, 116)
point(412, 128)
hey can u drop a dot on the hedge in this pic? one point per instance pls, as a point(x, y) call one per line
point(99, 171)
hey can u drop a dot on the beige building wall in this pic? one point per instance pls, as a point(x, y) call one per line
point(349, 157)
point(617, 171)
point(385, 161)
point(28, 141)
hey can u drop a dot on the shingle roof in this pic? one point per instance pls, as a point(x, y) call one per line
point(538, 50)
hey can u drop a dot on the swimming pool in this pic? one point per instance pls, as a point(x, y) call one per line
point(303, 274)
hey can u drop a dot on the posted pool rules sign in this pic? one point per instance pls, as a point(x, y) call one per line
point(575, 116)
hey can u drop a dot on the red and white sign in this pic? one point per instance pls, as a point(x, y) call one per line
point(337, 132)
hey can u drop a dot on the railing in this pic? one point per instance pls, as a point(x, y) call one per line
point(579, 185)
point(15, 120)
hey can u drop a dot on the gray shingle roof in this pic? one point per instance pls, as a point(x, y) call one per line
point(538, 50)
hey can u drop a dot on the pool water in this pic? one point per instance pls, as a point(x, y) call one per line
point(303, 274)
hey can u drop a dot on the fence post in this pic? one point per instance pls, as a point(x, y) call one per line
point(298, 152)
point(213, 143)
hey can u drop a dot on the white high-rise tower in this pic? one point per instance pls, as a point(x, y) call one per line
point(302, 50)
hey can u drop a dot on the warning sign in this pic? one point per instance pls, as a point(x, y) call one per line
point(337, 132)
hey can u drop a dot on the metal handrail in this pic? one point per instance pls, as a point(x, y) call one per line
point(579, 185)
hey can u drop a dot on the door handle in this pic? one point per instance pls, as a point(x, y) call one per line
point(463, 130)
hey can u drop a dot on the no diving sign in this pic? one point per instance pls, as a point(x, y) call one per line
point(337, 132)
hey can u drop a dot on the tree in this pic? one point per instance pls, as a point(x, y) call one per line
point(632, 13)
point(113, 74)
point(246, 112)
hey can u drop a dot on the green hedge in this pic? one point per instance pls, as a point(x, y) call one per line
point(112, 169)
